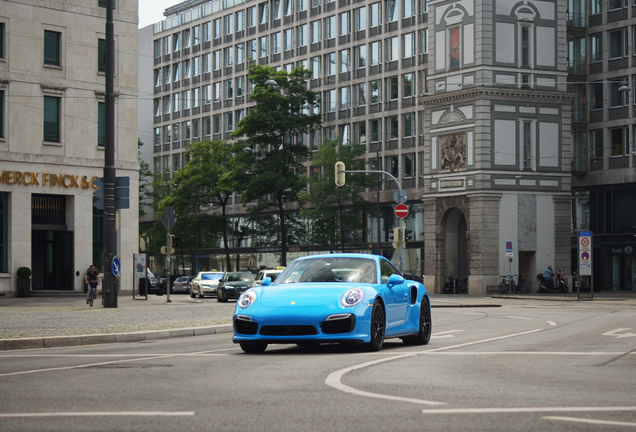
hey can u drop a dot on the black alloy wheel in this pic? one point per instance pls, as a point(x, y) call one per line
point(425, 328)
point(378, 326)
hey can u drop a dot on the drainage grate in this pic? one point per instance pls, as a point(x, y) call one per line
point(127, 366)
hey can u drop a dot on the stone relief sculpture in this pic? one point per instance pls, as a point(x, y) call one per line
point(453, 152)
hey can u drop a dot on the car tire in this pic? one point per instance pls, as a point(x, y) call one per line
point(192, 294)
point(201, 296)
point(218, 297)
point(253, 347)
point(377, 328)
point(425, 326)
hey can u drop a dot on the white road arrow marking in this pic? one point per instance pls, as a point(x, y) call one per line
point(618, 336)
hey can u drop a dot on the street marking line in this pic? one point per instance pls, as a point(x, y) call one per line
point(590, 421)
point(101, 414)
point(334, 378)
point(552, 323)
point(516, 317)
point(208, 352)
point(445, 334)
point(525, 410)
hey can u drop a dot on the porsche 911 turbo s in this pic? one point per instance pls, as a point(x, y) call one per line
point(343, 298)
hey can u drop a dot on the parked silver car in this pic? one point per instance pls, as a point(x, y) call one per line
point(182, 284)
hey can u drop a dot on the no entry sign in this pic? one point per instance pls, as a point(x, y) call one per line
point(401, 211)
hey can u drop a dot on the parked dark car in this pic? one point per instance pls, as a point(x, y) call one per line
point(233, 284)
point(152, 283)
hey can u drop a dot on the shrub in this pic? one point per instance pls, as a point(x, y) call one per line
point(24, 273)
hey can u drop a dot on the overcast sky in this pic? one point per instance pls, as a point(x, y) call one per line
point(151, 11)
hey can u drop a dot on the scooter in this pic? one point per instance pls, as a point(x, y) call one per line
point(547, 284)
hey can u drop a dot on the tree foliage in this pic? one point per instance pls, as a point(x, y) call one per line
point(336, 213)
point(270, 131)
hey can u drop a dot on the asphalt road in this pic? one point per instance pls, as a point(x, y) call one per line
point(526, 366)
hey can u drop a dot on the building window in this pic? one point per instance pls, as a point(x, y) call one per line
point(455, 48)
point(240, 54)
point(408, 45)
point(527, 144)
point(361, 94)
point(157, 48)
point(229, 89)
point(408, 166)
point(394, 167)
point(407, 120)
point(596, 7)
point(376, 54)
point(315, 68)
point(166, 75)
point(361, 19)
point(344, 98)
point(394, 126)
point(618, 43)
point(52, 47)
point(52, 118)
point(615, 4)
point(176, 41)
point(330, 27)
point(264, 18)
point(216, 124)
point(331, 100)
point(101, 55)
point(229, 24)
point(166, 45)
point(424, 42)
point(375, 92)
point(596, 144)
point(229, 58)
point(375, 14)
point(362, 56)
point(596, 47)
point(217, 27)
point(394, 88)
point(345, 134)
point(596, 93)
point(330, 64)
point(407, 8)
point(207, 31)
point(302, 35)
point(407, 82)
point(344, 24)
point(289, 7)
point(101, 124)
point(251, 16)
point(289, 39)
point(276, 43)
point(616, 98)
point(315, 32)
point(376, 130)
point(525, 46)
point(361, 132)
point(392, 10)
point(264, 47)
point(393, 49)
point(618, 141)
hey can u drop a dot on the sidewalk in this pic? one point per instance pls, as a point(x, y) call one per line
point(55, 321)
point(44, 322)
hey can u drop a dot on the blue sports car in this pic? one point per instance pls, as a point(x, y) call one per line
point(354, 298)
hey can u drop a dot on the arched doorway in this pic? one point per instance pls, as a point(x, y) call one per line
point(455, 245)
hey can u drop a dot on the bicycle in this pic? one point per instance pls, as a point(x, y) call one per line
point(92, 286)
point(521, 286)
point(507, 285)
point(455, 286)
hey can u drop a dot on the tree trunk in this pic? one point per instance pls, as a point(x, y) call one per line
point(227, 247)
point(283, 233)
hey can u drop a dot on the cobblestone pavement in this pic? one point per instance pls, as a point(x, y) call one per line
point(65, 316)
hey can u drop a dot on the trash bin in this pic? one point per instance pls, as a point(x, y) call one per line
point(143, 286)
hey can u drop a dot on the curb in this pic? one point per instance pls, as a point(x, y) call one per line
point(64, 341)
point(565, 299)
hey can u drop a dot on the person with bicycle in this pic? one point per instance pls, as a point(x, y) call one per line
point(92, 279)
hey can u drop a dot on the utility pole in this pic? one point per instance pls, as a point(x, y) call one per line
point(109, 295)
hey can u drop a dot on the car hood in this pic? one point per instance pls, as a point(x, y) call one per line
point(209, 282)
point(238, 284)
point(303, 294)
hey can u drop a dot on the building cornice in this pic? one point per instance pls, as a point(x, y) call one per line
point(496, 93)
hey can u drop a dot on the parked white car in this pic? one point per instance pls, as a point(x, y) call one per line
point(272, 273)
point(205, 283)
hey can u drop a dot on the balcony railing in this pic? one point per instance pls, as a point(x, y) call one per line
point(576, 19)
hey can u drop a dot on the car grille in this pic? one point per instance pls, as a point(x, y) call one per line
point(245, 327)
point(344, 325)
point(289, 330)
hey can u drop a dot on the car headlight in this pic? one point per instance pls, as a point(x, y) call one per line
point(247, 299)
point(229, 286)
point(353, 297)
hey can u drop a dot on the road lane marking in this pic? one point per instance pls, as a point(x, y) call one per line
point(552, 323)
point(525, 410)
point(590, 421)
point(618, 336)
point(101, 414)
point(445, 334)
point(516, 317)
point(334, 379)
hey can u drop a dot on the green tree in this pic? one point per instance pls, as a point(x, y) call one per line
point(336, 213)
point(205, 182)
point(145, 178)
point(271, 130)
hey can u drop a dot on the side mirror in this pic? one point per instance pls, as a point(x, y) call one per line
point(395, 279)
point(267, 281)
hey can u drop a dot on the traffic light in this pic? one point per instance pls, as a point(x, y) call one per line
point(395, 237)
point(340, 174)
point(176, 242)
point(408, 235)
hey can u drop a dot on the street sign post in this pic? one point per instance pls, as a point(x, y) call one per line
point(401, 211)
point(585, 260)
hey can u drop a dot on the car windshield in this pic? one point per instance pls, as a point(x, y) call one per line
point(242, 277)
point(180, 279)
point(359, 270)
point(211, 276)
